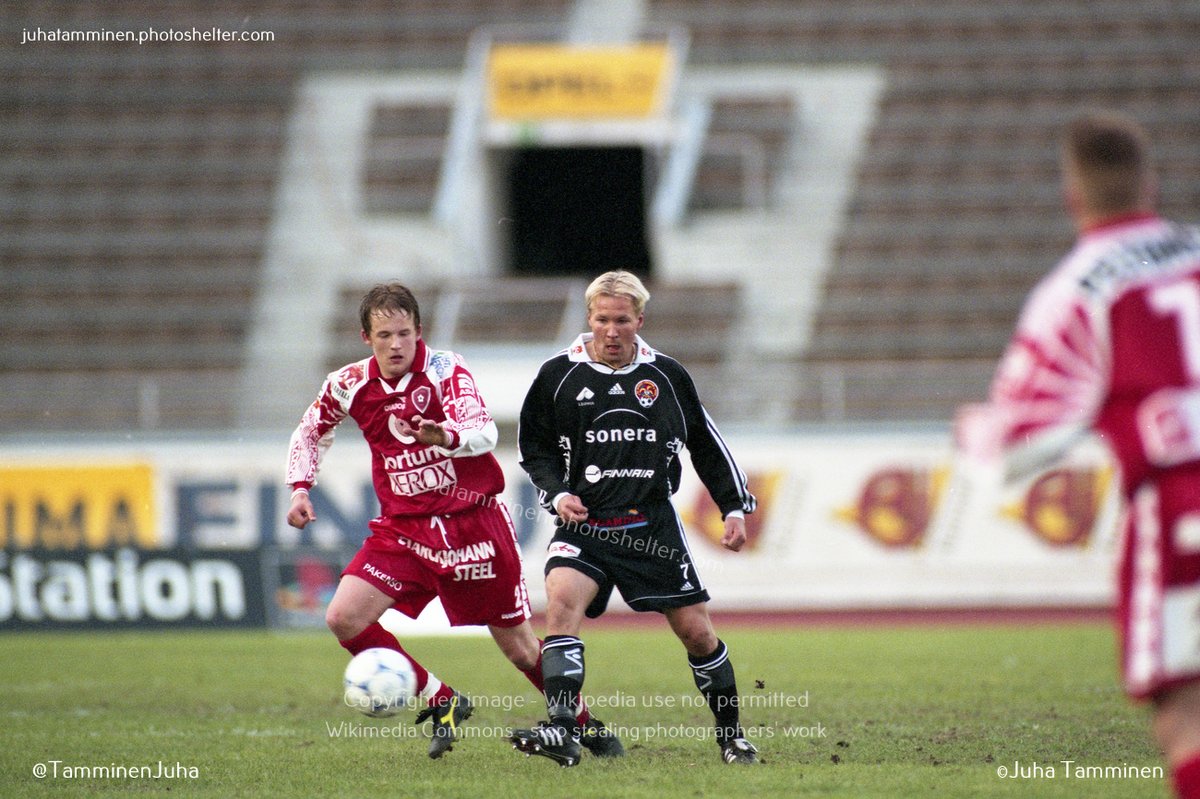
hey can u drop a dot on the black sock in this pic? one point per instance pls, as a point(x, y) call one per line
point(562, 674)
point(714, 677)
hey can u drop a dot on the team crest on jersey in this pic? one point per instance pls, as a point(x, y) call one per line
point(646, 393)
point(420, 397)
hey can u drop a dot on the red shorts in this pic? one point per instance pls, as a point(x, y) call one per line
point(1158, 600)
point(470, 560)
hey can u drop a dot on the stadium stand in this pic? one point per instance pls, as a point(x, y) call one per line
point(138, 182)
point(538, 314)
point(404, 156)
point(956, 208)
point(743, 150)
point(544, 314)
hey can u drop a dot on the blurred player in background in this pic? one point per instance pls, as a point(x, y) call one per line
point(602, 429)
point(1110, 341)
point(443, 531)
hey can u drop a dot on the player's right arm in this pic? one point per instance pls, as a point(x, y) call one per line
point(538, 442)
point(312, 438)
point(1046, 392)
point(301, 511)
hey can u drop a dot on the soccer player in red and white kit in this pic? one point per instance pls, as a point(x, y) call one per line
point(443, 530)
point(1110, 341)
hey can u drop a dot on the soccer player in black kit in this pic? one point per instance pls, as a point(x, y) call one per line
point(601, 433)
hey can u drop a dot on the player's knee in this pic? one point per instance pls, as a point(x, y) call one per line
point(342, 624)
point(1177, 736)
point(1165, 727)
point(698, 640)
point(696, 635)
point(564, 619)
point(1176, 723)
point(564, 611)
point(565, 599)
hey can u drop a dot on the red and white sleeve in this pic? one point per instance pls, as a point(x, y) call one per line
point(472, 430)
point(1046, 392)
point(313, 437)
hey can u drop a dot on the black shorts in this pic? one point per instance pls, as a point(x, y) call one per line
point(643, 553)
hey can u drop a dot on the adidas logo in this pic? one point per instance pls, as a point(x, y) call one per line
point(616, 389)
point(687, 586)
point(586, 394)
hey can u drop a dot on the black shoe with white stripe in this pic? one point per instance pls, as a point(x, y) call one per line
point(739, 750)
point(549, 740)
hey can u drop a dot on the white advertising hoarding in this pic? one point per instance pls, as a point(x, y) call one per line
point(845, 521)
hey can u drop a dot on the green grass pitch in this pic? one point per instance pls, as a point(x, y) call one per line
point(836, 712)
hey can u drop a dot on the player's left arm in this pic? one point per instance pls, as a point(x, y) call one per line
point(735, 531)
point(468, 429)
point(311, 440)
point(714, 462)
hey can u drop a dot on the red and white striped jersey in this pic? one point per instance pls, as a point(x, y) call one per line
point(1108, 341)
point(411, 479)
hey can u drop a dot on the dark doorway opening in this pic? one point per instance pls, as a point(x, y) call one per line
point(577, 211)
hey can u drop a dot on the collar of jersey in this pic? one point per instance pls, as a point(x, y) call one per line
point(420, 364)
point(1121, 220)
point(578, 353)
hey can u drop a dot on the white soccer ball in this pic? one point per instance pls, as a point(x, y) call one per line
point(379, 682)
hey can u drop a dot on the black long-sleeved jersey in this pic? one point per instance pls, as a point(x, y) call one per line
point(613, 438)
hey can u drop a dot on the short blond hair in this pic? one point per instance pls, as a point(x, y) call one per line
point(1108, 156)
point(618, 283)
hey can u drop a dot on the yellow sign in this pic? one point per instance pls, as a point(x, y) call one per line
point(896, 505)
point(73, 507)
point(704, 514)
point(1063, 505)
point(554, 81)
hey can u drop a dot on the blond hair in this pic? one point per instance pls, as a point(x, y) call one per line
point(1107, 155)
point(618, 283)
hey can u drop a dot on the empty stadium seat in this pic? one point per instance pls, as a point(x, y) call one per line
point(138, 187)
point(139, 181)
point(956, 211)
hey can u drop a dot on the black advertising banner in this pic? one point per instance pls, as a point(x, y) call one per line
point(130, 588)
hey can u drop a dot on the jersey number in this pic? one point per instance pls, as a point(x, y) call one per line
point(1182, 300)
